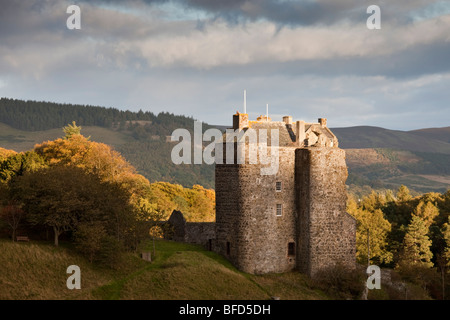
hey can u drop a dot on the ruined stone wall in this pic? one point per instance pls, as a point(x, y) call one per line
point(326, 232)
point(202, 233)
point(177, 229)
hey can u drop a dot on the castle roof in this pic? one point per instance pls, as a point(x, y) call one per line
point(290, 134)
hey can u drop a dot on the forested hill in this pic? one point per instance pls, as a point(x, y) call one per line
point(42, 115)
point(141, 137)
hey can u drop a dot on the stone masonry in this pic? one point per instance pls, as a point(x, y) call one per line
point(293, 219)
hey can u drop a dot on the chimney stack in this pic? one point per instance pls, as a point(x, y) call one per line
point(300, 133)
point(240, 121)
point(287, 119)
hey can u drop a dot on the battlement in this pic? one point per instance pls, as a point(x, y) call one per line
point(296, 134)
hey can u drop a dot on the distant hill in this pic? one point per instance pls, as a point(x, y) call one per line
point(442, 134)
point(382, 158)
point(435, 140)
point(140, 136)
point(376, 157)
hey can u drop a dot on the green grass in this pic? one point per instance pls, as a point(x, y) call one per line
point(37, 270)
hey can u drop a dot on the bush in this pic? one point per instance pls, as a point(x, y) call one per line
point(111, 252)
point(92, 241)
point(340, 281)
point(424, 282)
point(88, 239)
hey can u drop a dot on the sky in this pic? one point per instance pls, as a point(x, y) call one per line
point(307, 58)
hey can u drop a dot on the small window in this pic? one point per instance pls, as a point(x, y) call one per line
point(278, 186)
point(228, 248)
point(279, 209)
point(291, 249)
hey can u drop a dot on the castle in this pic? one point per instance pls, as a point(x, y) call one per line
point(293, 219)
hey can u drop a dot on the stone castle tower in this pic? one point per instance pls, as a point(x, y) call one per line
point(293, 219)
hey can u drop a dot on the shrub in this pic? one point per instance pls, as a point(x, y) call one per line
point(340, 281)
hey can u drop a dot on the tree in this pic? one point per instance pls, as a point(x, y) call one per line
point(71, 130)
point(373, 201)
point(148, 222)
point(61, 197)
point(403, 194)
point(96, 158)
point(5, 153)
point(371, 236)
point(416, 244)
point(446, 234)
point(12, 214)
point(89, 237)
point(427, 212)
point(50, 198)
point(16, 164)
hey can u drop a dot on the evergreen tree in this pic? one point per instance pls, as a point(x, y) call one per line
point(403, 194)
point(71, 129)
point(446, 234)
point(371, 237)
point(416, 244)
point(427, 212)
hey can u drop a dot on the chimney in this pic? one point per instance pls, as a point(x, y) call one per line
point(240, 121)
point(300, 132)
point(323, 122)
point(287, 119)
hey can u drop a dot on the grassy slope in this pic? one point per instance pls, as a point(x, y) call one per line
point(180, 271)
point(38, 271)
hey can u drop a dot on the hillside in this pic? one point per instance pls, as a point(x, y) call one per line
point(442, 134)
point(376, 157)
point(178, 272)
point(382, 158)
point(149, 156)
point(435, 140)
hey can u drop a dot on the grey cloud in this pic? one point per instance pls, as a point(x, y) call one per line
point(289, 12)
point(408, 63)
point(305, 12)
point(285, 13)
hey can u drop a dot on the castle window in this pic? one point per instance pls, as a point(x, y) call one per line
point(291, 249)
point(279, 209)
point(278, 186)
point(228, 248)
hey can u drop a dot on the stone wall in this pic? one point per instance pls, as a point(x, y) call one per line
point(249, 231)
point(202, 233)
point(177, 230)
point(228, 201)
point(326, 232)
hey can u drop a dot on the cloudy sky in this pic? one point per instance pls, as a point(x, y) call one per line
point(305, 58)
